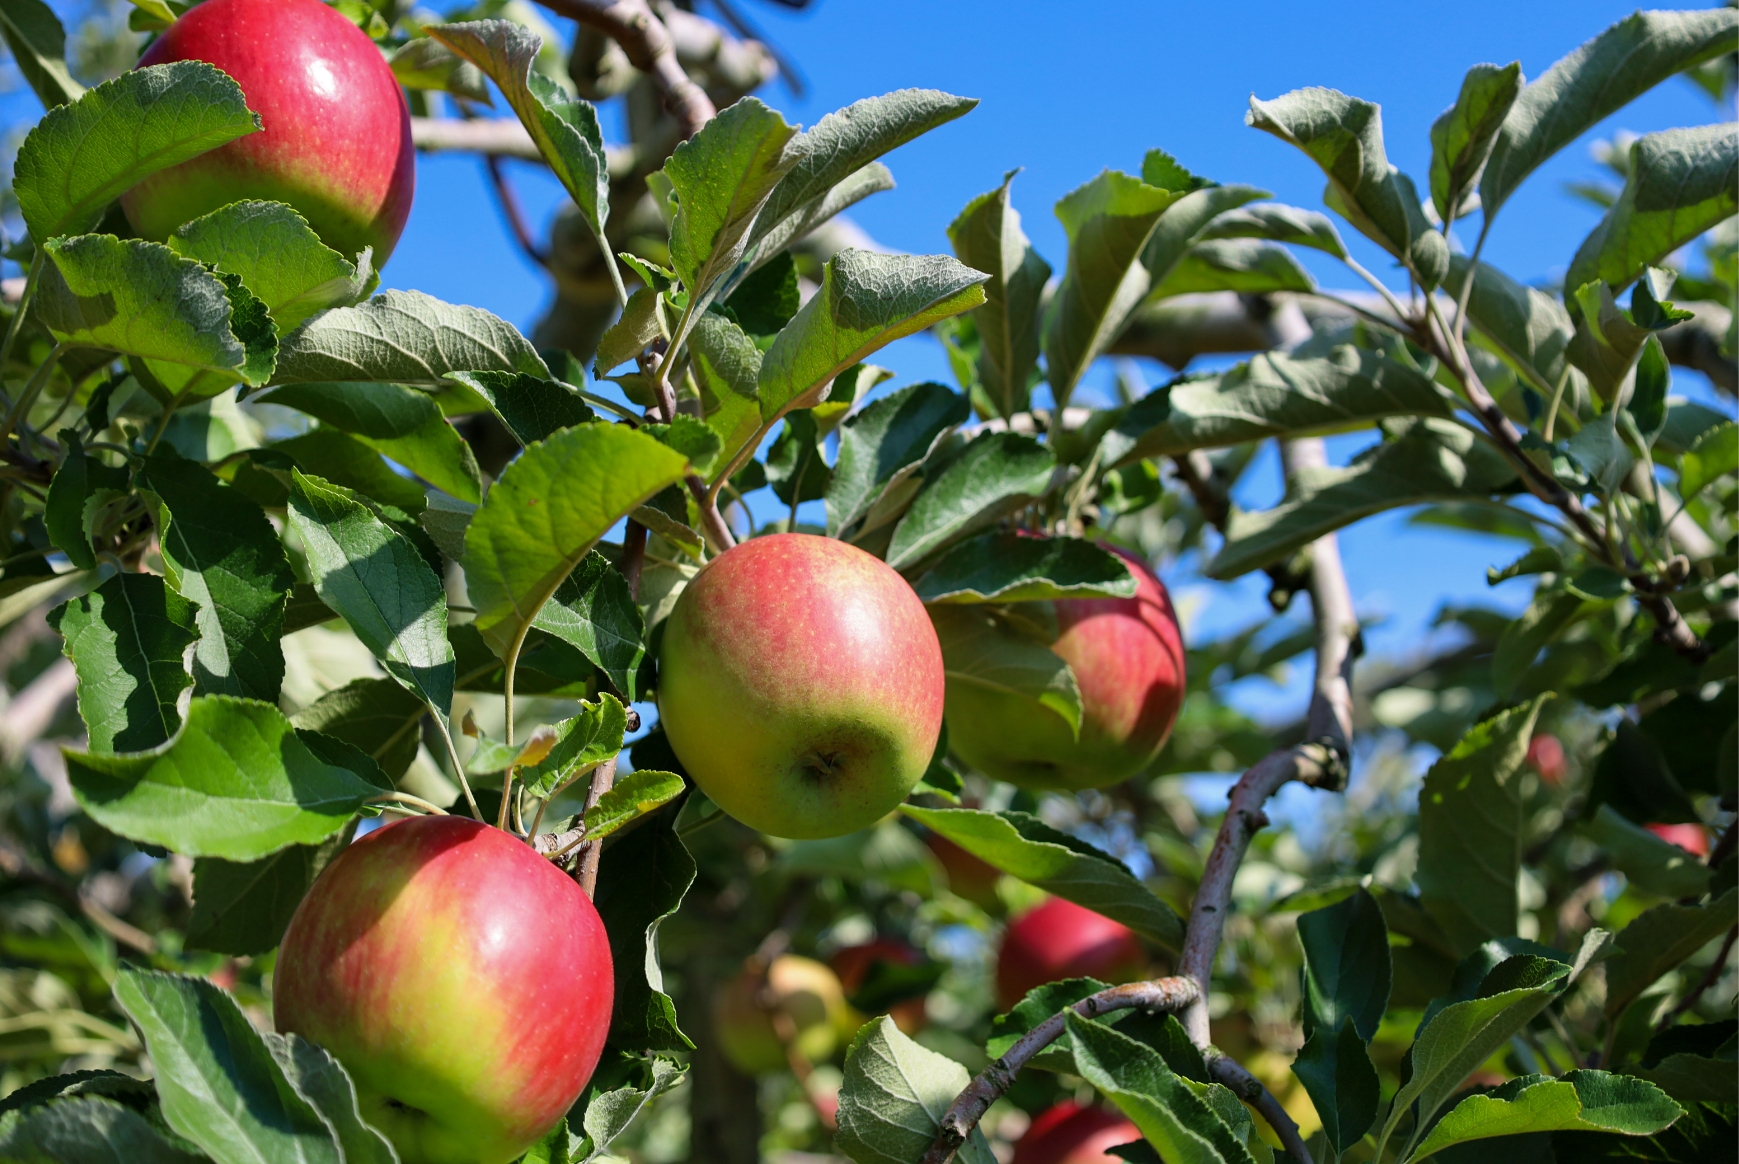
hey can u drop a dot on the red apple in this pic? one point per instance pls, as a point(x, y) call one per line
point(853, 964)
point(1071, 1134)
point(336, 142)
point(970, 877)
point(1693, 838)
point(462, 980)
point(1546, 756)
point(1061, 940)
point(749, 1010)
point(800, 684)
point(1128, 658)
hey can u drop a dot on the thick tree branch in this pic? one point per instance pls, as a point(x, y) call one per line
point(1159, 996)
point(649, 48)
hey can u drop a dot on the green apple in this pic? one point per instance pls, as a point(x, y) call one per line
point(750, 1009)
point(800, 684)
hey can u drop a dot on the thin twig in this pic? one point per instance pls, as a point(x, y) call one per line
point(649, 48)
point(603, 779)
point(1159, 996)
point(1709, 979)
point(1229, 1072)
point(512, 211)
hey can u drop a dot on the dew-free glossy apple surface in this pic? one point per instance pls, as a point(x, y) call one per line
point(800, 683)
point(1059, 940)
point(463, 981)
point(1071, 1134)
point(336, 142)
point(1128, 658)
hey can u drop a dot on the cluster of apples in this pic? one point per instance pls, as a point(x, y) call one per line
point(464, 981)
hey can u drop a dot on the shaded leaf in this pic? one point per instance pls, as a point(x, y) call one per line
point(987, 237)
point(1247, 266)
point(87, 1129)
point(320, 1079)
point(1003, 567)
point(128, 641)
point(1529, 328)
point(1659, 940)
point(1279, 223)
point(243, 908)
point(81, 484)
point(1336, 1069)
point(593, 612)
point(640, 886)
point(38, 44)
point(995, 474)
point(981, 648)
point(888, 435)
point(533, 408)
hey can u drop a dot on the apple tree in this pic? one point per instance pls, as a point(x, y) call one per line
point(429, 743)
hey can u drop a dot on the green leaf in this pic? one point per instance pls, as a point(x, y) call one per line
point(727, 365)
point(1108, 221)
point(765, 247)
point(377, 581)
point(1003, 567)
point(404, 337)
point(1715, 454)
point(865, 302)
point(83, 155)
point(1335, 1067)
point(81, 485)
point(796, 466)
point(399, 422)
point(87, 1128)
point(278, 257)
point(1651, 864)
point(1528, 328)
point(632, 797)
point(1344, 136)
point(893, 1098)
point(1463, 136)
point(1278, 223)
point(987, 237)
point(1346, 981)
point(1550, 612)
point(425, 63)
point(1681, 183)
point(221, 553)
point(642, 321)
point(220, 1084)
point(1590, 1101)
point(1658, 941)
point(533, 408)
point(593, 612)
point(102, 1083)
point(38, 44)
point(1471, 821)
point(1182, 1122)
point(128, 641)
point(564, 127)
point(1247, 266)
point(843, 144)
point(1027, 848)
point(690, 437)
point(142, 299)
point(889, 435)
point(982, 647)
point(236, 782)
point(1429, 460)
point(582, 743)
point(1692, 1079)
point(764, 302)
point(320, 1079)
point(243, 908)
point(640, 886)
point(1599, 78)
point(1272, 396)
point(723, 176)
point(349, 463)
point(1462, 1036)
point(547, 511)
point(612, 1112)
point(995, 474)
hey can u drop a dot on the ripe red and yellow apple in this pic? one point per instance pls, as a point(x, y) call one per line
point(800, 684)
point(1546, 756)
point(854, 963)
point(462, 980)
point(750, 1010)
point(336, 136)
point(1128, 658)
point(1693, 838)
point(1071, 1134)
point(1059, 940)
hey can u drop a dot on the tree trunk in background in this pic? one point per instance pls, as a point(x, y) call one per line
point(724, 1104)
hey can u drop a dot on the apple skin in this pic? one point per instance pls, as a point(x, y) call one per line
point(852, 964)
point(1059, 940)
point(1693, 838)
point(1546, 756)
point(1128, 659)
point(806, 991)
point(336, 142)
point(800, 684)
point(1071, 1134)
point(463, 981)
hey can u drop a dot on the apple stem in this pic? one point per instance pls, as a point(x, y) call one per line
point(592, 852)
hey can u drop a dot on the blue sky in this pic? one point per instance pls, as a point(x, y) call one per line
point(1069, 89)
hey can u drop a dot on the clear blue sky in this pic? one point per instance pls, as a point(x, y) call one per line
point(1069, 89)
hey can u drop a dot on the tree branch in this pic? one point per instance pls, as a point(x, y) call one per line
point(649, 48)
point(591, 852)
point(1245, 1086)
point(1159, 996)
